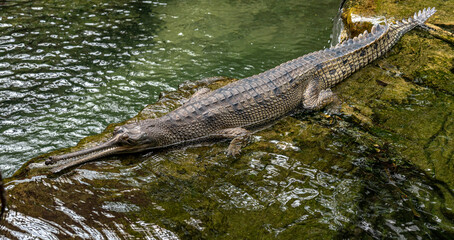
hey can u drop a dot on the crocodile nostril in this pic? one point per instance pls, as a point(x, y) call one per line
point(50, 160)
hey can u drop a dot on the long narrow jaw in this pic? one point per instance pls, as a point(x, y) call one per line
point(76, 158)
point(129, 138)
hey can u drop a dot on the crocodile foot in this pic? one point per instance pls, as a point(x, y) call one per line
point(240, 138)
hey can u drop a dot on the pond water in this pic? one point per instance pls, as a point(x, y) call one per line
point(69, 68)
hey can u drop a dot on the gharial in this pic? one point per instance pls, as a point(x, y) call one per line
point(239, 108)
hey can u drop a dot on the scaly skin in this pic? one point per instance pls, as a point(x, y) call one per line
point(235, 110)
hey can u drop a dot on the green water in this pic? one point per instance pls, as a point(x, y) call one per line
point(69, 68)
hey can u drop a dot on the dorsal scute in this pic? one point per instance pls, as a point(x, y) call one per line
point(373, 30)
point(421, 16)
point(360, 37)
point(376, 29)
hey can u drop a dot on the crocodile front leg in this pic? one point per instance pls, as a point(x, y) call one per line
point(240, 138)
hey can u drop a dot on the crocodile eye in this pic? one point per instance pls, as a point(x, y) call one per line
point(118, 130)
point(127, 139)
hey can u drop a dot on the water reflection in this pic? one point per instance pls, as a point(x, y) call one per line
point(46, 229)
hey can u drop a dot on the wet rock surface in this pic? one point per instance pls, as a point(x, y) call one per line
point(382, 167)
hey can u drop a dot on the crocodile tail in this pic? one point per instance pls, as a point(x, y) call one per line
point(355, 53)
point(418, 19)
point(421, 17)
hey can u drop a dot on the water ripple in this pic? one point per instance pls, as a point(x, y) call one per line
point(31, 227)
